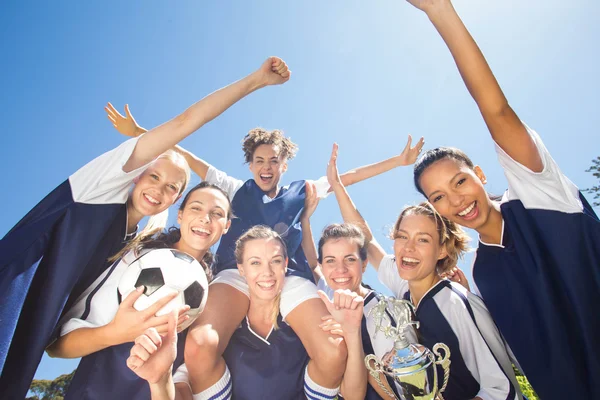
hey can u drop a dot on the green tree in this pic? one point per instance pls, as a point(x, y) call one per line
point(43, 389)
point(595, 170)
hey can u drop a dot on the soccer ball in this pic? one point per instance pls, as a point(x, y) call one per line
point(165, 271)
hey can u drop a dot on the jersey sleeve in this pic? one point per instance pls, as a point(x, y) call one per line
point(322, 187)
point(548, 190)
point(479, 355)
point(102, 180)
point(388, 275)
point(221, 179)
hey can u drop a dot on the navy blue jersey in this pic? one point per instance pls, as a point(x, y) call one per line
point(271, 368)
point(252, 207)
point(52, 255)
point(450, 314)
point(542, 283)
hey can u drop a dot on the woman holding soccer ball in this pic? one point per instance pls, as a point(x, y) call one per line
point(101, 330)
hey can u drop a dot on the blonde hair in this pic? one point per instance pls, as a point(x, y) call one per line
point(260, 136)
point(256, 233)
point(452, 237)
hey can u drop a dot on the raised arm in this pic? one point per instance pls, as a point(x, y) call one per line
point(407, 157)
point(349, 211)
point(504, 125)
point(156, 141)
point(308, 244)
point(345, 320)
point(128, 126)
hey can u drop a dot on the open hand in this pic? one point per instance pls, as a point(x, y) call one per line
point(130, 323)
point(311, 201)
point(153, 355)
point(333, 175)
point(125, 125)
point(429, 5)
point(410, 154)
point(274, 71)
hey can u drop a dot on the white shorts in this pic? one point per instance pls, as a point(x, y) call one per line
point(295, 291)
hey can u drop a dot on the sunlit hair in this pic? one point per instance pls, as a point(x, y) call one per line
point(156, 223)
point(343, 231)
point(259, 136)
point(261, 232)
point(451, 236)
point(168, 238)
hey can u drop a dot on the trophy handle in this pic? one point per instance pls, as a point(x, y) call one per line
point(444, 362)
point(376, 370)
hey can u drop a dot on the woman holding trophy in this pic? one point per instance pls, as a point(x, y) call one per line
point(425, 246)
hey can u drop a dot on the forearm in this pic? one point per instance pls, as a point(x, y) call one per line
point(81, 342)
point(308, 244)
point(368, 171)
point(163, 389)
point(354, 384)
point(473, 67)
point(349, 211)
point(167, 135)
point(198, 165)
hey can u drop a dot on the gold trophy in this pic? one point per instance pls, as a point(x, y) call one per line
point(412, 366)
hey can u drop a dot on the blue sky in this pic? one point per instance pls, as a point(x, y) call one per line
point(365, 74)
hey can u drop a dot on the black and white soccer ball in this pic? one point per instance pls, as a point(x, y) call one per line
point(165, 271)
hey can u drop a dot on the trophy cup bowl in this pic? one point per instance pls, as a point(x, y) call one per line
point(411, 366)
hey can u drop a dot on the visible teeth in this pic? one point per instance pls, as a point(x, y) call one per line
point(266, 176)
point(266, 285)
point(341, 280)
point(151, 199)
point(410, 260)
point(200, 230)
point(467, 210)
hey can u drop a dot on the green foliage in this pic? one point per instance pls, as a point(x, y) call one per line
point(595, 170)
point(525, 385)
point(43, 389)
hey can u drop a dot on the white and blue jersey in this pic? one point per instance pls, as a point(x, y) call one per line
point(542, 282)
point(450, 314)
point(104, 374)
point(252, 207)
point(53, 254)
point(262, 368)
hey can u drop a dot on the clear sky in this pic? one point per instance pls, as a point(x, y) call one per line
point(365, 74)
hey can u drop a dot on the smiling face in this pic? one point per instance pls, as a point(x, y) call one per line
point(417, 247)
point(158, 187)
point(341, 264)
point(264, 265)
point(203, 220)
point(267, 167)
point(456, 191)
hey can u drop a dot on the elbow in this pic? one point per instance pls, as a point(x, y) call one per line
point(53, 351)
point(498, 110)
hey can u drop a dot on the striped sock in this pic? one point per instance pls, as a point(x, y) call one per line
point(219, 391)
point(314, 391)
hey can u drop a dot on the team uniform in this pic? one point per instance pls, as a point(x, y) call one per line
point(271, 368)
point(252, 206)
point(53, 254)
point(450, 314)
point(542, 283)
point(104, 374)
point(374, 342)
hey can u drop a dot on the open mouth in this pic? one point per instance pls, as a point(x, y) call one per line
point(409, 262)
point(266, 285)
point(266, 178)
point(151, 200)
point(469, 213)
point(341, 281)
point(202, 232)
